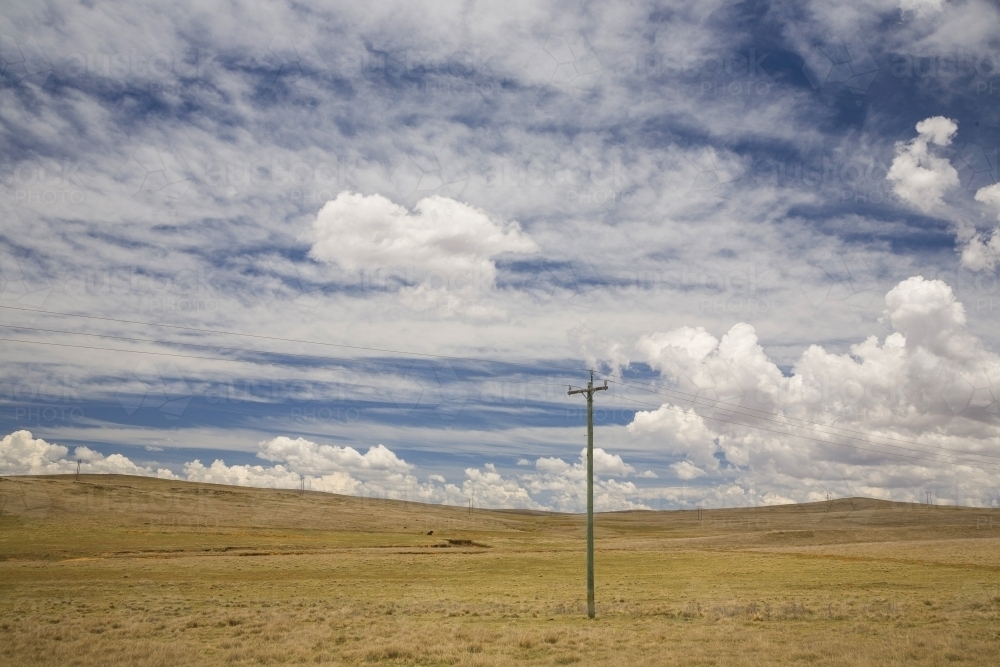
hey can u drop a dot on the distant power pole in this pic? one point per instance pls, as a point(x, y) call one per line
point(78, 469)
point(589, 391)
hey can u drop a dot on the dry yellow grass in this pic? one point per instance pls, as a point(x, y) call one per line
point(131, 571)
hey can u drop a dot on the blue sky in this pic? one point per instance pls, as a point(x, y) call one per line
point(435, 216)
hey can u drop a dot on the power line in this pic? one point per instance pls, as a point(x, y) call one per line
point(623, 381)
point(978, 464)
point(624, 384)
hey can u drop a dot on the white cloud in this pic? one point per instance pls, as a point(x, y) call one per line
point(918, 176)
point(990, 195)
point(599, 353)
point(608, 464)
point(491, 489)
point(343, 470)
point(982, 252)
point(565, 484)
point(308, 458)
point(444, 248)
point(675, 430)
point(930, 382)
point(927, 314)
point(552, 465)
point(251, 174)
point(240, 475)
point(686, 470)
point(21, 454)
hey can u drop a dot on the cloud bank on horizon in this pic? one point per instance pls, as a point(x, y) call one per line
point(924, 400)
point(424, 224)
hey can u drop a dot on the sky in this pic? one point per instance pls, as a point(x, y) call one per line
point(366, 249)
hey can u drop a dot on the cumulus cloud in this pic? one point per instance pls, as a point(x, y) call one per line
point(981, 252)
point(600, 352)
point(21, 454)
point(686, 470)
point(990, 195)
point(443, 250)
point(917, 175)
point(563, 485)
point(308, 458)
point(676, 430)
point(379, 472)
point(929, 382)
point(554, 483)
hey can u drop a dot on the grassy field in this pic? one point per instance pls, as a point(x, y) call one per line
point(134, 571)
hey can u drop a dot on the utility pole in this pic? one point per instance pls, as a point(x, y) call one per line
point(78, 469)
point(589, 391)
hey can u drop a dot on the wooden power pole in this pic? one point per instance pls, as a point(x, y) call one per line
point(589, 391)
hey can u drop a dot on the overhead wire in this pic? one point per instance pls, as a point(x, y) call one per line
point(625, 381)
point(615, 377)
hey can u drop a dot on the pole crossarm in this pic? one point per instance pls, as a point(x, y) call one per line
point(590, 391)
